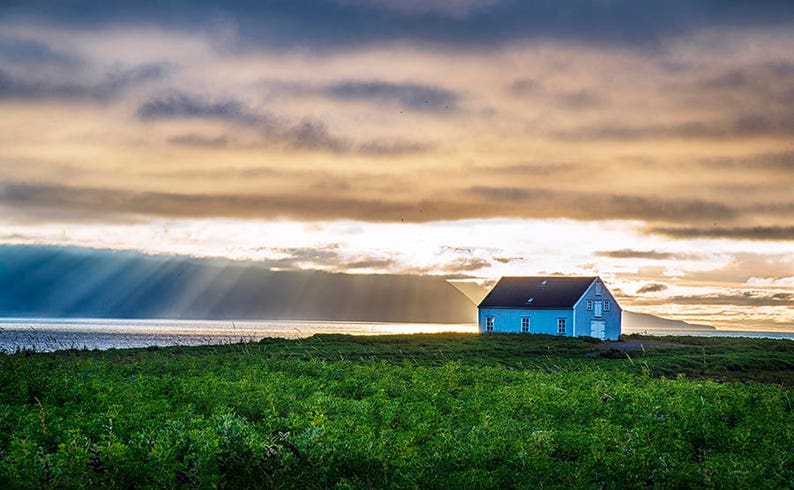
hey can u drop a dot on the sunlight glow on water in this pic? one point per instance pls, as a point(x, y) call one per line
point(49, 334)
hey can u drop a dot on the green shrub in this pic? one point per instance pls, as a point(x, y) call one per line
point(429, 411)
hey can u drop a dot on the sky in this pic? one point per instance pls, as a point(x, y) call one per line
point(651, 142)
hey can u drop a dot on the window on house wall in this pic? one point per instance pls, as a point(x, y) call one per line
point(598, 288)
point(589, 305)
point(560, 326)
point(524, 324)
point(606, 305)
point(489, 322)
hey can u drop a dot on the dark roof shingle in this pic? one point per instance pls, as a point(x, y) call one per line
point(550, 292)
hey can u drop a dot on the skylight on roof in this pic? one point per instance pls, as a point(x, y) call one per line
point(543, 283)
point(530, 300)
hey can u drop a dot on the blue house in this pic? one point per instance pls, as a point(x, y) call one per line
point(555, 305)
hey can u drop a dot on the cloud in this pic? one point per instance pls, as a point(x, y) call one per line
point(746, 298)
point(314, 135)
point(507, 260)
point(786, 282)
point(333, 114)
point(182, 105)
point(526, 86)
point(652, 287)
point(395, 207)
point(768, 233)
point(466, 264)
point(304, 134)
point(764, 84)
point(759, 76)
point(451, 22)
point(522, 169)
point(509, 193)
point(85, 203)
point(453, 8)
point(194, 139)
point(580, 99)
point(408, 95)
point(305, 258)
point(369, 263)
point(740, 126)
point(778, 161)
point(659, 209)
point(393, 148)
point(750, 98)
point(112, 84)
point(32, 52)
point(636, 254)
point(585, 205)
point(569, 99)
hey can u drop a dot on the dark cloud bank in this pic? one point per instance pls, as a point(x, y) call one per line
point(85, 202)
point(332, 23)
point(768, 233)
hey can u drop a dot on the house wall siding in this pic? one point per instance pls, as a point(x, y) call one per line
point(508, 320)
point(613, 317)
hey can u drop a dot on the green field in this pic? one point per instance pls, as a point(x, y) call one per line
point(429, 411)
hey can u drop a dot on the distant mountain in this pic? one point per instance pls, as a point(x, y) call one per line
point(643, 322)
point(72, 282)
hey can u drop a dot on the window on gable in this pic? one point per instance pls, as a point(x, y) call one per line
point(524, 324)
point(560, 326)
point(598, 288)
point(606, 305)
point(489, 323)
point(589, 305)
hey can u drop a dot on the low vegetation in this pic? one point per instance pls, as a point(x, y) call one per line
point(430, 411)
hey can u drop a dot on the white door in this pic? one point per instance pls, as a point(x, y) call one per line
point(598, 329)
point(598, 308)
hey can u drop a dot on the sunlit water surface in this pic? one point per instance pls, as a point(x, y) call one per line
point(49, 334)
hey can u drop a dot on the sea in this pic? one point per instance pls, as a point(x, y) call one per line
point(51, 334)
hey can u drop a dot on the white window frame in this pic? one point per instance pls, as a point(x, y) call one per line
point(525, 324)
point(489, 323)
point(561, 326)
point(598, 289)
point(589, 305)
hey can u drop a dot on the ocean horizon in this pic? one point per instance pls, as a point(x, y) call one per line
point(52, 334)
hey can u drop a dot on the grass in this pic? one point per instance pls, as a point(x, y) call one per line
point(429, 411)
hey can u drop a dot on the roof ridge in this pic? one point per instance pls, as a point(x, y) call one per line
point(553, 275)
